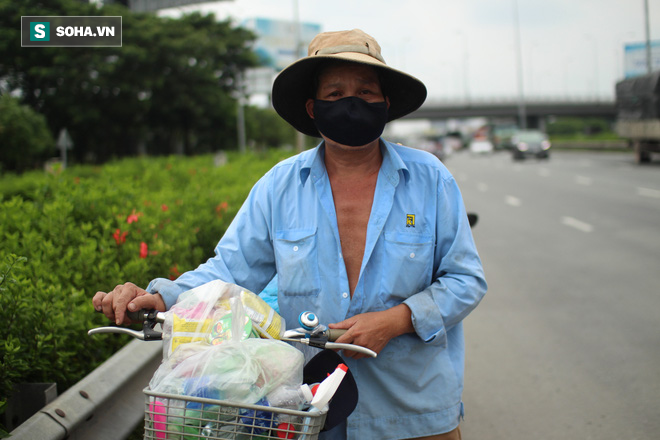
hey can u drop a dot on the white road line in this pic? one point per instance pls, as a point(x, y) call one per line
point(577, 224)
point(582, 180)
point(513, 201)
point(648, 192)
point(483, 187)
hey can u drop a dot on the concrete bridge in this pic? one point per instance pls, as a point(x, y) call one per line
point(536, 110)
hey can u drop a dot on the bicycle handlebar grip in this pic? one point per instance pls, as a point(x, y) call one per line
point(138, 316)
point(335, 333)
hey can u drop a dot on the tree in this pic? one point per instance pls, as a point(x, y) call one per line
point(266, 129)
point(24, 135)
point(168, 89)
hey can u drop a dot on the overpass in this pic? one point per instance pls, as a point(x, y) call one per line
point(537, 110)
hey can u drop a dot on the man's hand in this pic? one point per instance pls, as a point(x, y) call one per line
point(126, 297)
point(374, 330)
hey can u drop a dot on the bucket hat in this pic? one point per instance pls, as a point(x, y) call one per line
point(294, 85)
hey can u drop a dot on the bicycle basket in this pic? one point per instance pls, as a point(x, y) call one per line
point(175, 417)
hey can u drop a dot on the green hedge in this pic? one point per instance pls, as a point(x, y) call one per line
point(67, 234)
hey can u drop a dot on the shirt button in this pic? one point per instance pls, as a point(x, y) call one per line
point(295, 249)
point(345, 295)
point(412, 255)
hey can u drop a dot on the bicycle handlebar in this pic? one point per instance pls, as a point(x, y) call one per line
point(150, 318)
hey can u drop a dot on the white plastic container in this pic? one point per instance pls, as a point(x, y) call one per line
point(328, 387)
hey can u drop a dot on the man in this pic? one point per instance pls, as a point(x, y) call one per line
point(371, 236)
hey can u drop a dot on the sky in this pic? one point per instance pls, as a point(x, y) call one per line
point(467, 50)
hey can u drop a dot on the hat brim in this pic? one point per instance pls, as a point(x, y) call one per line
point(293, 87)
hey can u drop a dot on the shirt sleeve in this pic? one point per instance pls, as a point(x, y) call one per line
point(243, 256)
point(459, 283)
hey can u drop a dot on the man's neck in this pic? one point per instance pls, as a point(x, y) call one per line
point(352, 162)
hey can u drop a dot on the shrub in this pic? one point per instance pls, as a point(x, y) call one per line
point(90, 228)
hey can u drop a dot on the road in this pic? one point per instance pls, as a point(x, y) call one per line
point(566, 343)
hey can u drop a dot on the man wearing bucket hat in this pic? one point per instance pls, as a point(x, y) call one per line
point(371, 236)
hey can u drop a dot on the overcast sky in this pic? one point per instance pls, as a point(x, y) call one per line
point(570, 48)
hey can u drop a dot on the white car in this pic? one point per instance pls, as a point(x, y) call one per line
point(481, 146)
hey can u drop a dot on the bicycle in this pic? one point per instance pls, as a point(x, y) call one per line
point(181, 417)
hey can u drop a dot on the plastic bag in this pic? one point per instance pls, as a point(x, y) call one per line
point(212, 349)
point(240, 372)
point(217, 312)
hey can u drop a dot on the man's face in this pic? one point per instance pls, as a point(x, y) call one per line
point(344, 80)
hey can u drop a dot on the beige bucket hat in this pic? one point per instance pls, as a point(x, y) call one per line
point(294, 85)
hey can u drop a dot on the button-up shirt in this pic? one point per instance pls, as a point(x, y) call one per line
point(419, 251)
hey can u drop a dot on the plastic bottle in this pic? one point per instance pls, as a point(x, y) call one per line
point(328, 387)
point(290, 397)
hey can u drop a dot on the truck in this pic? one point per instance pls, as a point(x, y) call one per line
point(638, 114)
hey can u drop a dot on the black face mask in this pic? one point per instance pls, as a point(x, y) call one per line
point(350, 121)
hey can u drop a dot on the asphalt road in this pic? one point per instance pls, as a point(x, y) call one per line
point(566, 343)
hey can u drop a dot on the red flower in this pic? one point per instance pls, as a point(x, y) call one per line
point(120, 238)
point(222, 207)
point(164, 207)
point(144, 250)
point(174, 272)
point(134, 217)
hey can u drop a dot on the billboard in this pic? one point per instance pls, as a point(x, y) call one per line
point(277, 40)
point(634, 61)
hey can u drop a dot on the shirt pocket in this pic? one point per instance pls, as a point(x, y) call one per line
point(296, 252)
point(409, 258)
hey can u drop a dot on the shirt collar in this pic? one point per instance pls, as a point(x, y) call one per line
point(313, 164)
point(392, 166)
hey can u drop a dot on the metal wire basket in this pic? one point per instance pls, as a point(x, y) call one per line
point(175, 417)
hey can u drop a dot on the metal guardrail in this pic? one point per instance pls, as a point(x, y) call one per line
point(108, 404)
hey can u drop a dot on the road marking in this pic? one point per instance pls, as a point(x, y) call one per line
point(577, 224)
point(482, 187)
point(513, 201)
point(582, 180)
point(648, 192)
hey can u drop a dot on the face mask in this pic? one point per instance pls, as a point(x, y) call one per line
point(350, 121)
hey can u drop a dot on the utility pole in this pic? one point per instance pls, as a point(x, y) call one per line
point(300, 138)
point(522, 111)
point(649, 63)
point(240, 113)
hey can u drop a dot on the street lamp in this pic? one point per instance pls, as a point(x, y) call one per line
point(466, 84)
point(595, 49)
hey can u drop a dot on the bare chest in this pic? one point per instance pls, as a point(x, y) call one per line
point(353, 202)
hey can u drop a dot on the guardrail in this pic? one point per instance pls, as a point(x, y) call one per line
point(107, 404)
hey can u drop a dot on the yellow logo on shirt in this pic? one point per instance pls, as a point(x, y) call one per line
point(410, 220)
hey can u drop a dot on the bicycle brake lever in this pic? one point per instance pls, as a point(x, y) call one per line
point(323, 343)
point(147, 333)
point(149, 319)
point(351, 347)
point(121, 330)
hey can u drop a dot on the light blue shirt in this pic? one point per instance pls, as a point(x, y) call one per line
point(419, 251)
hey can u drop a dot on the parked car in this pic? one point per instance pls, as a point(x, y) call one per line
point(481, 146)
point(530, 143)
